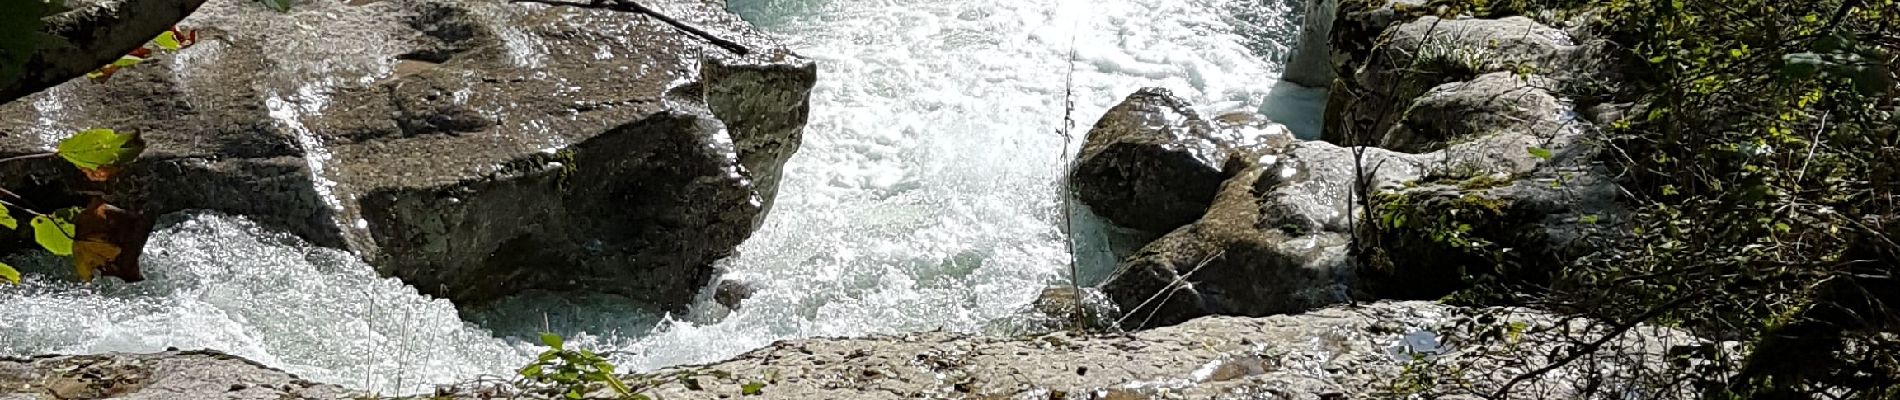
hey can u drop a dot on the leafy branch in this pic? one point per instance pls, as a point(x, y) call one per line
point(99, 236)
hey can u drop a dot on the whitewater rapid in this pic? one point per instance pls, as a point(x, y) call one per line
point(925, 197)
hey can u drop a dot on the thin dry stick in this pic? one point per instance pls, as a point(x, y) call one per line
point(630, 6)
point(27, 157)
point(1593, 346)
point(1068, 220)
point(1173, 286)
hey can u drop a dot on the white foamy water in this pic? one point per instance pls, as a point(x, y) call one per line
point(925, 197)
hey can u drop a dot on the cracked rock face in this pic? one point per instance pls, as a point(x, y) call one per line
point(473, 149)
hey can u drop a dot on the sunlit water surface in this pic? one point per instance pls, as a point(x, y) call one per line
point(924, 198)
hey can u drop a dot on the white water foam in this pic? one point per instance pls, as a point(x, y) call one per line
point(925, 197)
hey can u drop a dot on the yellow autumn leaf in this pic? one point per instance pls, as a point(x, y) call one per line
point(89, 256)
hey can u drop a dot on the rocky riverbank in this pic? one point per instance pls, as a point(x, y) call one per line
point(1342, 352)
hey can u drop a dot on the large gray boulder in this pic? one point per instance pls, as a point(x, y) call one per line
point(473, 149)
point(1153, 164)
point(1435, 234)
point(1275, 240)
point(1414, 56)
point(1500, 154)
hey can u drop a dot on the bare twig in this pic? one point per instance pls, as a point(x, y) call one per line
point(22, 208)
point(28, 157)
point(1068, 220)
point(1174, 285)
point(631, 6)
point(1593, 346)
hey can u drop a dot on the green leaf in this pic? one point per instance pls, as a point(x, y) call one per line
point(6, 219)
point(551, 339)
point(55, 231)
point(1539, 152)
point(279, 5)
point(1590, 219)
point(752, 389)
point(167, 41)
point(8, 274)
point(531, 371)
point(94, 148)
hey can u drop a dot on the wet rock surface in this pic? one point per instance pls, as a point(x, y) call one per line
point(474, 150)
point(1153, 164)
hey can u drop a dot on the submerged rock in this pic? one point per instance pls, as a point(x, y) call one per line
point(473, 149)
point(1153, 164)
point(731, 294)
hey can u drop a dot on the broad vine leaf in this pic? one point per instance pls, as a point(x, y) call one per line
point(55, 231)
point(109, 241)
point(6, 219)
point(8, 274)
point(551, 339)
point(95, 148)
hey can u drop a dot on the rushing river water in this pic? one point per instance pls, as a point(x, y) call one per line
point(924, 198)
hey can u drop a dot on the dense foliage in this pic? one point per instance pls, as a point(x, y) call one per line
point(1760, 162)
